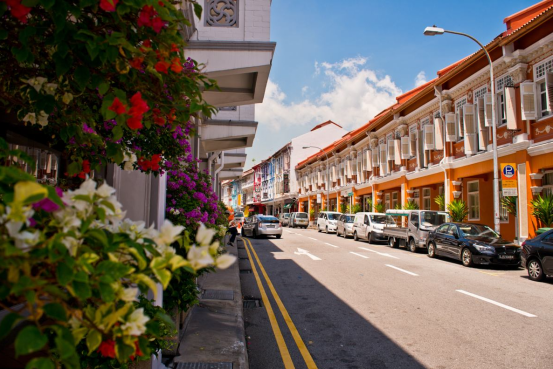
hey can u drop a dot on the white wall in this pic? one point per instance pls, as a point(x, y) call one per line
point(244, 112)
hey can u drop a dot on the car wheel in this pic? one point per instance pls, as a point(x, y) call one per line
point(370, 237)
point(535, 271)
point(412, 245)
point(431, 250)
point(355, 238)
point(466, 257)
point(345, 233)
point(278, 236)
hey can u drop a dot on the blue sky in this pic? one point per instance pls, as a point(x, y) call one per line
point(348, 60)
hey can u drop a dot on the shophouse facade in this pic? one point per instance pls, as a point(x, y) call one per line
point(437, 138)
point(247, 188)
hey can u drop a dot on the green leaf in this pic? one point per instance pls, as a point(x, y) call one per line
point(81, 277)
point(63, 64)
point(106, 292)
point(3, 34)
point(74, 168)
point(93, 50)
point(82, 290)
point(198, 10)
point(93, 340)
point(113, 269)
point(47, 4)
point(26, 33)
point(20, 54)
point(7, 323)
point(103, 88)
point(164, 276)
point(122, 9)
point(40, 363)
point(29, 3)
point(82, 76)
point(53, 195)
point(29, 340)
point(3, 8)
point(46, 103)
point(123, 351)
point(65, 348)
point(86, 3)
point(165, 319)
point(55, 311)
point(99, 235)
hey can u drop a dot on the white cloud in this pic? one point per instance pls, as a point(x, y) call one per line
point(354, 95)
point(304, 90)
point(420, 79)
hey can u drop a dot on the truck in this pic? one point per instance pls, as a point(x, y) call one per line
point(419, 224)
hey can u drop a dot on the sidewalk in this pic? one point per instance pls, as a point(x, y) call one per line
point(214, 335)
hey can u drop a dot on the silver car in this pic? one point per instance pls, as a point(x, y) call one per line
point(284, 219)
point(299, 219)
point(344, 225)
point(262, 225)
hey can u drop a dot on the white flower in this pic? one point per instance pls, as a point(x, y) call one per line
point(74, 323)
point(168, 233)
point(136, 324)
point(26, 239)
point(128, 294)
point(224, 261)
point(128, 166)
point(30, 117)
point(67, 97)
point(166, 251)
point(67, 219)
point(204, 235)
point(42, 118)
point(37, 82)
point(199, 257)
point(50, 88)
point(105, 190)
point(88, 188)
point(72, 244)
point(129, 158)
point(214, 247)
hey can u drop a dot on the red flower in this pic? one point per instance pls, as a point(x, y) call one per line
point(162, 66)
point(158, 118)
point(117, 106)
point(107, 349)
point(139, 106)
point(147, 43)
point(171, 117)
point(145, 16)
point(135, 122)
point(18, 11)
point(157, 24)
point(86, 166)
point(176, 65)
point(136, 63)
point(138, 352)
point(174, 48)
point(108, 5)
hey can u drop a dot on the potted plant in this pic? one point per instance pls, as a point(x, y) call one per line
point(411, 205)
point(440, 201)
point(542, 210)
point(458, 210)
point(379, 208)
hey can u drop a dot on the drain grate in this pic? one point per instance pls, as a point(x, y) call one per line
point(203, 366)
point(245, 271)
point(218, 295)
point(251, 303)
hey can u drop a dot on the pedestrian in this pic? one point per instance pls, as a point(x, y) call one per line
point(232, 227)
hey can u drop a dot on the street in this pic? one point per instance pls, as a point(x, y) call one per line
point(361, 305)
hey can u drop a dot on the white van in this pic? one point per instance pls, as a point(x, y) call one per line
point(327, 221)
point(369, 226)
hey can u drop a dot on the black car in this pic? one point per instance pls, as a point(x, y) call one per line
point(472, 244)
point(537, 256)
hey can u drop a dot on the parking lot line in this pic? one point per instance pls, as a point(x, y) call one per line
point(314, 239)
point(331, 245)
point(354, 253)
point(498, 304)
point(402, 270)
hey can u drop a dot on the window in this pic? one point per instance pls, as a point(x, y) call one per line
point(479, 93)
point(503, 213)
point(443, 229)
point(459, 116)
point(547, 184)
point(473, 195)
point(543, 79)
point(416, 198)
point(426, 199)
point(387, 202)
point(501, 83)
point(413, 139)
point(395, 202)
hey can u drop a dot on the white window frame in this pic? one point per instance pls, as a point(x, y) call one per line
point(500, 83)
point(413, 139)
point(479, 93)
point(425, 197)
point(547, 188)
point(459, 118)
point(387, 201)
point(416, 198)
point(395, 199)
point(540, 70)
point(470, 196)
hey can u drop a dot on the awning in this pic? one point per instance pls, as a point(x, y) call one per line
point(287, 206)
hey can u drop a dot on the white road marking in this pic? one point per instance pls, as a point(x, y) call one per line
point(305, 252)
point(402, 270)
point(498, 304)
point(331, 245)
point(379, 253)
point(314, 239)
point(354, 253)
point(289, 232)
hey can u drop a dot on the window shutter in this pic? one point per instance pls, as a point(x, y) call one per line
point(481, 125)
point(413, 140)
point(405, 147)
point(375, 161)
point(488, 109)
point(383, 160)
point(429, 137)
point(460, 122)
point(348, 168)
point(549, 90)
point(420, 149)
point(527, 101)
point(471, 139)
point(510, 107)
point(450, 135)
point(397, 152)
point(319, 179)
point(370, 163)
point(438, 134)
point(391, 150)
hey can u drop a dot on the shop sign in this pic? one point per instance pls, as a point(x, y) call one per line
point(350, 194)
point(509, 179)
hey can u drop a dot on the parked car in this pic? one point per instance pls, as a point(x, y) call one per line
point(327, 220)
point(262, 225)
point(284, 219)
point(239, 216)
point(299, 219)
point(370, 226)
point(472, 244)
point(344, 226)
point(419, 224)
point(537, 256)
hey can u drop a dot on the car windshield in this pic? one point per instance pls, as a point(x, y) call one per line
point(382, 219)
point(286, 215)
point(239, 215)
point(478, 231)
point(333, 216)
point(301, 215)
point(348, 218)
point(268, 219)
point(432, 219)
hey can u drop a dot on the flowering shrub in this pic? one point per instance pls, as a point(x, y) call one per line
point(73, 267)
point(105, 79)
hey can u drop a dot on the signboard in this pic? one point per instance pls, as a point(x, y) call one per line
point(319, 199)
point(350, 194)
point(509, 179)
point(344, 193)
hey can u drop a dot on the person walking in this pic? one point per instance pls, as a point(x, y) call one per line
point(232, 227)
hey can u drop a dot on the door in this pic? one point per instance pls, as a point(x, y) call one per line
point(440, 238)
point(413, 226)
point(546, 254)
point(366, 226)
point(452, 242)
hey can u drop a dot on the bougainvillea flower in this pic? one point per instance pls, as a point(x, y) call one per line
point(117, 106)
point(136, 63)
point(162, 66)
point(157, 24)
point(108, 5)
point(145, 16)
point(18, 11)
point(135, 122)
point(47, 205)
point(176, 65)
point(158, 117)
point(139, 106)
point(107, 349)
point(174, 48)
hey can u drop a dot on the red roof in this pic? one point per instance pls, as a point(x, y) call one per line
point(518, 20)
point(325, 124)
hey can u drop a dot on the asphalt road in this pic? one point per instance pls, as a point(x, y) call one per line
point(361, 305)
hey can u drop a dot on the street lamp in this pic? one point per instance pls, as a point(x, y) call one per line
point(327, 176)
point(433, 31)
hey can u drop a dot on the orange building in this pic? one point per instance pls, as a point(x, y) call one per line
point(437, 138)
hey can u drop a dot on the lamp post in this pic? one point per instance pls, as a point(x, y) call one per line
point(327, 176)
point(433, 31)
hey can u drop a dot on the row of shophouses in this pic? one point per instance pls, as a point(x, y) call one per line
point(437, 138)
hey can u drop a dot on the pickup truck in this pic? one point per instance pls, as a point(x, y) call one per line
point(419, 224)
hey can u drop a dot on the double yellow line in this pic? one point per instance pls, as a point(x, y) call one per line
point(286, 358)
